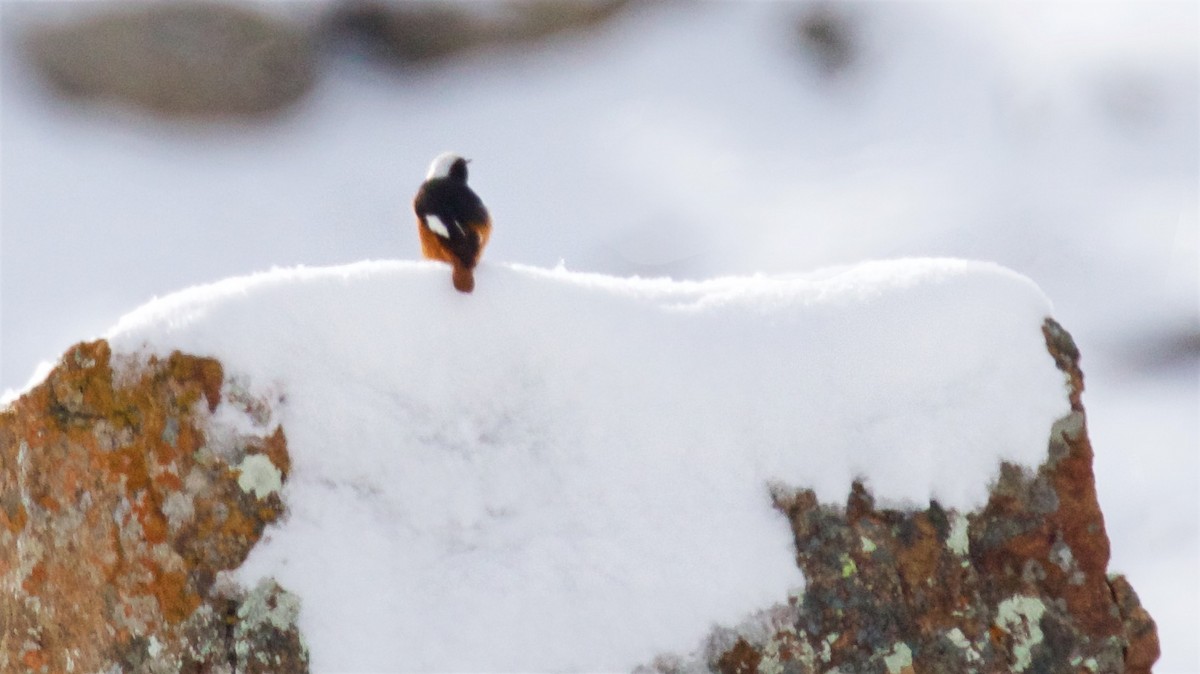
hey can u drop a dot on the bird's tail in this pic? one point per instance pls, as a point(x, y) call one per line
point(464, 279)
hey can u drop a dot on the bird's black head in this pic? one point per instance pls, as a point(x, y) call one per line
point(458, 170)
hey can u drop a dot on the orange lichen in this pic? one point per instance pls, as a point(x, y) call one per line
point(175, 598)
point(741, 659)
point(919, 559)
point(206, 372)
point(154, 523)
point(168, 482)
point(36, 579)
point(87, 465)
point(34, 659)
point(275, 447)
point(12, 512)
point(1140, 630)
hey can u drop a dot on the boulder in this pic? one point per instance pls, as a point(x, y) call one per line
point(426, 32)
point(1020, 585)
point(178, 58)
point(118, 515)
point(125, 499)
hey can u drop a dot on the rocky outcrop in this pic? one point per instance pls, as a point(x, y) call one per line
point(1018, 586)
point(200, 58)
point(121, 507)
point(426, 32)
point(178, 58)
point(118, 515)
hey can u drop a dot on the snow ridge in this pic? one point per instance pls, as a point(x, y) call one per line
point(569, 471)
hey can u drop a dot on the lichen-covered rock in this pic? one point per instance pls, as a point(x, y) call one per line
point(123, 501)
point(117, 517)
point(1018, 586)
point(178, 58)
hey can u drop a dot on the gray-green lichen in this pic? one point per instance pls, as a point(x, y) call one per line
point(257, 474)
point(849, 567)
point(898, 659)
point(827, 645)
point(957, 540)
point(785, 644)
point(268, 604)
point(956, 637)
point(1021, 617)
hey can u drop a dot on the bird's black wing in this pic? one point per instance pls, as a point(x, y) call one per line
point(449, 210)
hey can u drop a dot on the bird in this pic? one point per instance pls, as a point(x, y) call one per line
point(452, 221)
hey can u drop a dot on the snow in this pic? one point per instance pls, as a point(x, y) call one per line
point(1058, 139)
point(568, 471)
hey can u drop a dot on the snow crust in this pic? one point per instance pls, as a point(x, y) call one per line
point(569, 471)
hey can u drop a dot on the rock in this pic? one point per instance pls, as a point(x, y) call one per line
point(827, 35)
point(178, 58)
point(1018, 586)
point(424, 32)
point(121, 507)
point(118, 515)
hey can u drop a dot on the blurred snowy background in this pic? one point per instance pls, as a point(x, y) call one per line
point(662, 139)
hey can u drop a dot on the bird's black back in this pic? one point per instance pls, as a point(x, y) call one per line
point(458, 207)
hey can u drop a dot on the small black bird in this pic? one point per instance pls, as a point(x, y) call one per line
point(451, 219)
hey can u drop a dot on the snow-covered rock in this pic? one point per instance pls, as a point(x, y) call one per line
point(578, 472)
